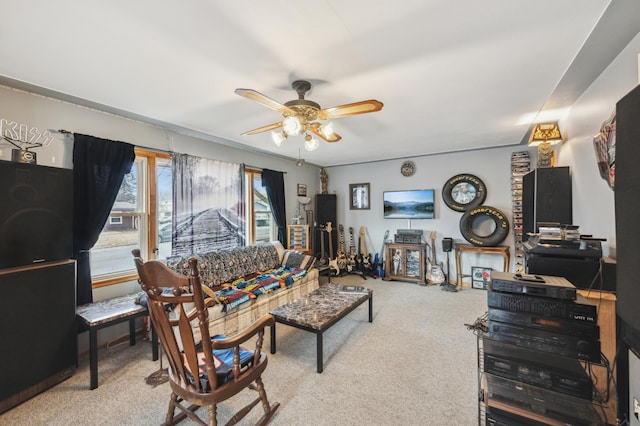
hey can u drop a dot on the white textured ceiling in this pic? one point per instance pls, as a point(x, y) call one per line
point(453, 75)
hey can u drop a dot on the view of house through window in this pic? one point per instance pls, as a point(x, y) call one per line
point(133, 216)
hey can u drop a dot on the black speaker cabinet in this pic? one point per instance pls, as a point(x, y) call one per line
point(546, 197)
point(36, 220)
point(38, 318)
point(326, 211)
point(627, 211)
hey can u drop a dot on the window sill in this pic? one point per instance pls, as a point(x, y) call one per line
point(107, 280)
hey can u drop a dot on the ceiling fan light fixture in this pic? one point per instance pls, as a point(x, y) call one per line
point(327, 129)
point(292, 125)
point(310, 143)
point(278, 137)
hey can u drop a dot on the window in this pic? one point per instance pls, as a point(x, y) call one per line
point(140, 218)
point(262, 226)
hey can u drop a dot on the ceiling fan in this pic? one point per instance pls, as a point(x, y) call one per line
point(300, 115)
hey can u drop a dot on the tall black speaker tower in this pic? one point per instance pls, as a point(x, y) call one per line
point(546, 197)
point(326, 211)
point(627, 202)
point(36, 214)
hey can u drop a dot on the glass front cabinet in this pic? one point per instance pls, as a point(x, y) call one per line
point(405, 262)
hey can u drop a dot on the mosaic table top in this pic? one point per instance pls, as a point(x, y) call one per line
point(108, 310)
point(320, 307)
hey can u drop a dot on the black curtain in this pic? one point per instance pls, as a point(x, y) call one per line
point(274, 183)
point(99, 166)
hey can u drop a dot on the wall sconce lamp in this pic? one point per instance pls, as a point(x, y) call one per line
point(544, 135)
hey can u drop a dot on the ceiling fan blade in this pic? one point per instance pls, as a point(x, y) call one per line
point(264, 100)
point(315, 129)
point(361, 107)
point(263, 129)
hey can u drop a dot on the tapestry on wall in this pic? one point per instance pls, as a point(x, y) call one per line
point(208, 207)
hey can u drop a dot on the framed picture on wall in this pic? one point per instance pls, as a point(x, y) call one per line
point(302, 190)
point(359, 196)
point(480, 277)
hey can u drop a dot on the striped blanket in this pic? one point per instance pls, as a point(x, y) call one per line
point(242, 290)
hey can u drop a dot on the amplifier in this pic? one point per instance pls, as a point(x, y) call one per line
point(534, 285)
point(567, 309)
point(553, 404)
point(545, 341)
point(497, 417)
point(561, 374)
point(538, 376)
point(407, 238)
point(587, 330)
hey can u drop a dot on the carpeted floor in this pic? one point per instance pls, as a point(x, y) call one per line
point(414, 365)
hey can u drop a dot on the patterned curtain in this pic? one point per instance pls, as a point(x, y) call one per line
point(208, 205)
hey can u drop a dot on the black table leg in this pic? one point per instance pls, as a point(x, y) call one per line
point(93, 357)
point(370, 307)
point(273, 338)
point(132, 331)
point(319, 351)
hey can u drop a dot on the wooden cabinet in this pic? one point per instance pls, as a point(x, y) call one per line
point(405, 262)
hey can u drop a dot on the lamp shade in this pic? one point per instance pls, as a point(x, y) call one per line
point(545, 132)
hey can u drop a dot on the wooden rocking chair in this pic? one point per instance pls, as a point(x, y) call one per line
point(210, 371)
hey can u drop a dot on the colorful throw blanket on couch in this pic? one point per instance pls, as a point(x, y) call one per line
point(242, 290)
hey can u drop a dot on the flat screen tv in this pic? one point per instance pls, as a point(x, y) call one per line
point(409, 204)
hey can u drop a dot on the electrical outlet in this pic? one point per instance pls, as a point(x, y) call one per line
point(636, 408)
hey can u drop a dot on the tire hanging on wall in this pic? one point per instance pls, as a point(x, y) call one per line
point(496, 237)
point(476, 183)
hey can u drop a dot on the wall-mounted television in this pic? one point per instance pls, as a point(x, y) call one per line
point(409, 204)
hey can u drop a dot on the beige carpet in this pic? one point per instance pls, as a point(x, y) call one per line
point(414, 365)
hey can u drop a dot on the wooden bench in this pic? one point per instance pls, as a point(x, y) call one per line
point(109, 312)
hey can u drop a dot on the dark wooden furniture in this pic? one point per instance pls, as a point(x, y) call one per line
point(317, 312)
point(195, 376)
point(466, 248)
point(38, 329)
point(106, 313)
point(405, 262)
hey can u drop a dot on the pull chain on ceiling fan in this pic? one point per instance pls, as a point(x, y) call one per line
point(300, 116)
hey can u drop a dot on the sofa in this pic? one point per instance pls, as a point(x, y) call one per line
point(248, 282)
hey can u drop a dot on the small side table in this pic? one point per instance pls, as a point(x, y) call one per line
point(466, 248)
point(105, 314)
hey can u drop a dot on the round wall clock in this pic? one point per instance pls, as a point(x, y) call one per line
point(463, 192)
point(408, 168)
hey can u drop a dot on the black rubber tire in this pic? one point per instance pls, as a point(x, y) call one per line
point(478, 185)
point(491, 240)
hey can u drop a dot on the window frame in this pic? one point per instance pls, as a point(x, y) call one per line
point(147, 213)
point(251, 213)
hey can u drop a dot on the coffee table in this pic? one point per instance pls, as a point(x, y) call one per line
point(317, 312)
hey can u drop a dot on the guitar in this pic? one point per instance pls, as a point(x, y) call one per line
point(376, 257)
point(333, 263)
point(361, 259)
point(351, 266)
point(381, 263)
point(367, 264)
point(435, 275)
point(342, 252)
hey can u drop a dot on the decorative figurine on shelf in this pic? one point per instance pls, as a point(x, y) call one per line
point(324, 180)
point(397, 258)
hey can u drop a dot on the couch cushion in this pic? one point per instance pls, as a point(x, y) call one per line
point(223, 266)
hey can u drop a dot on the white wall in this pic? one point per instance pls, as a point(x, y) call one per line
point(492, 166)
point(593, 200)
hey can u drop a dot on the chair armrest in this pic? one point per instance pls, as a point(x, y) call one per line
point(244, 335)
